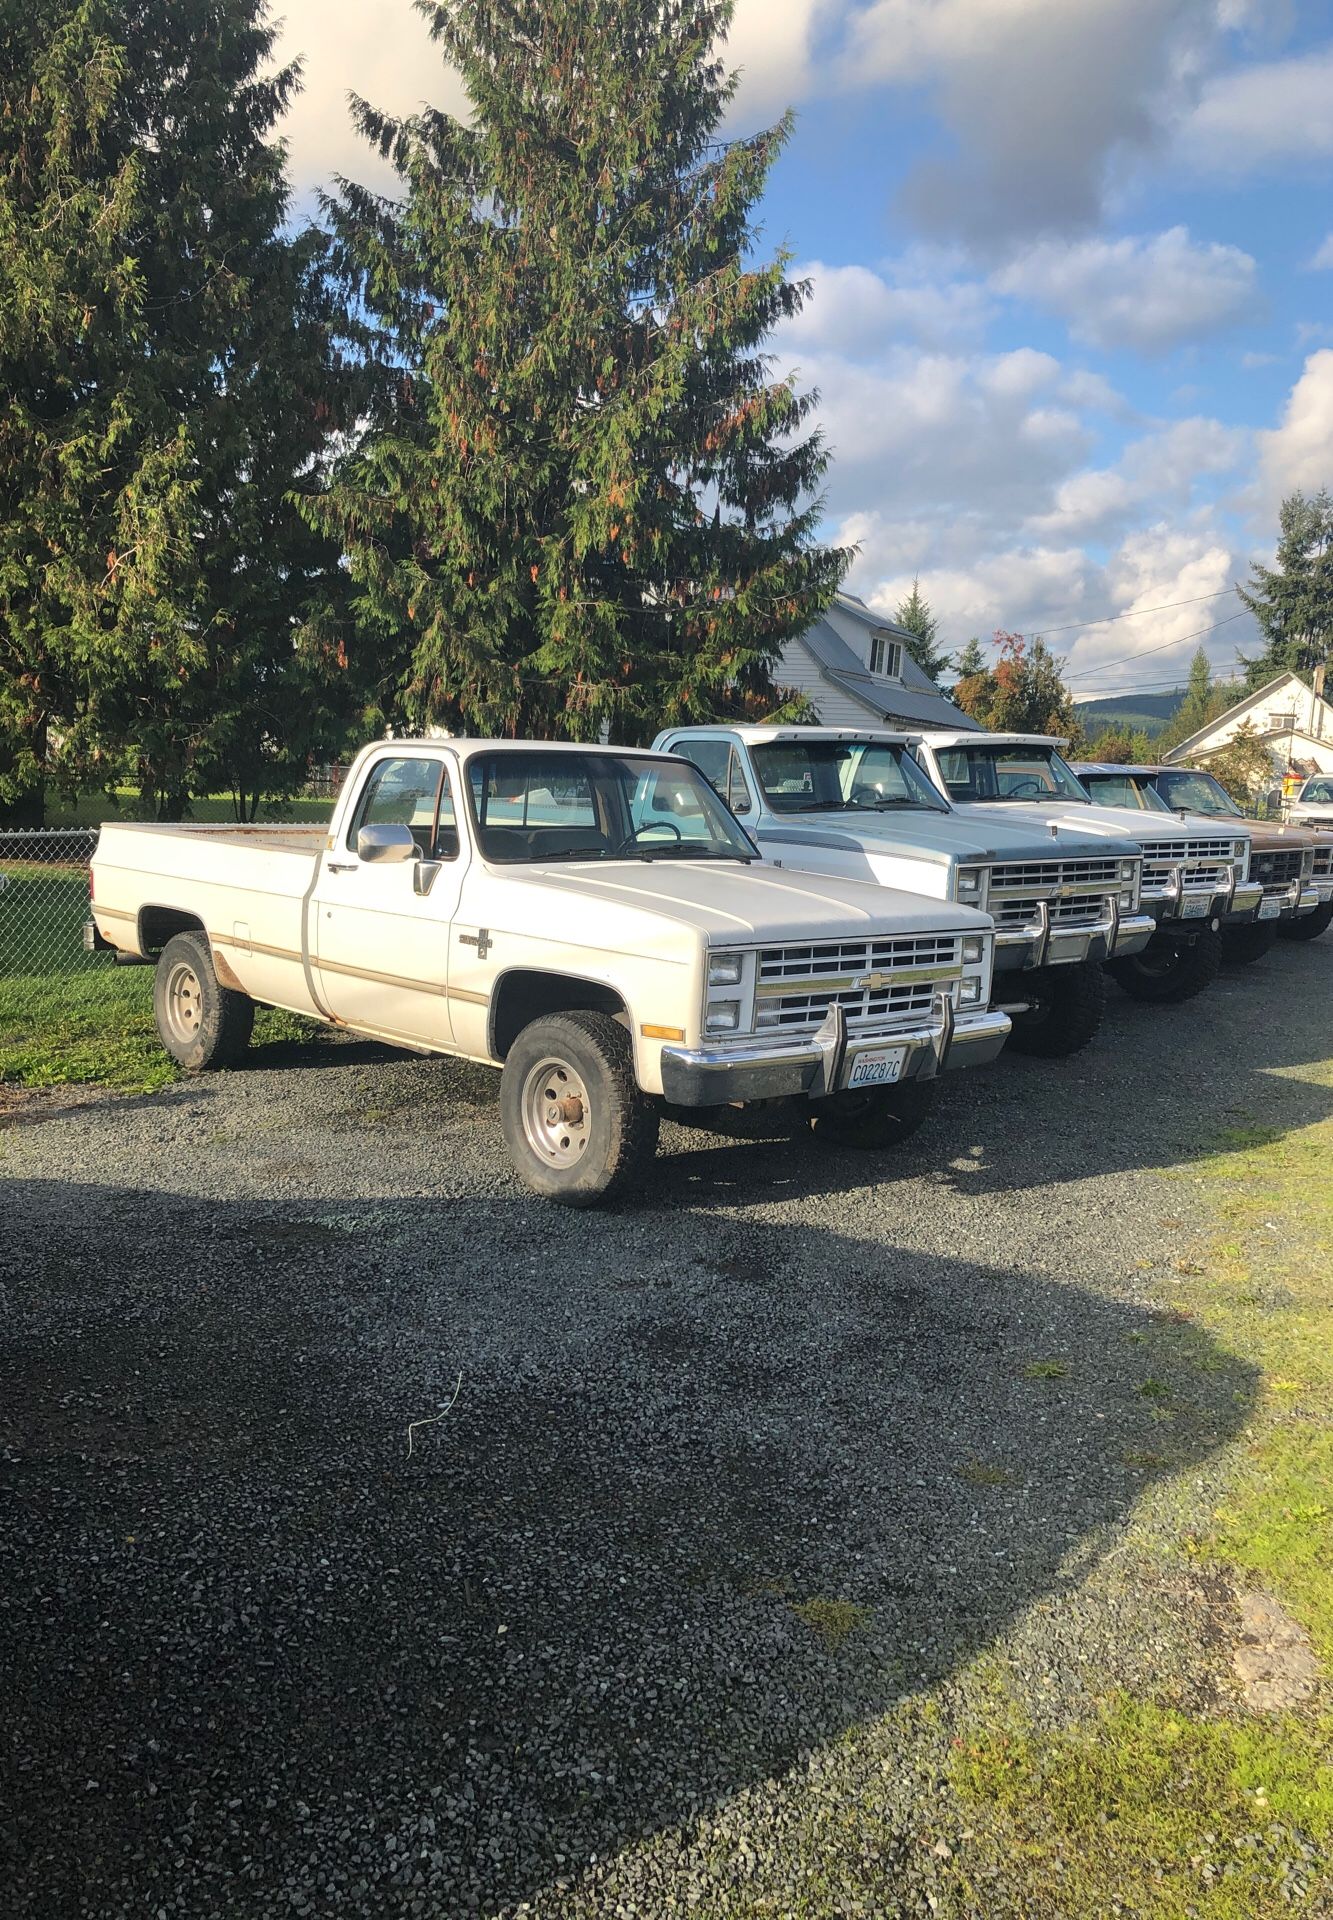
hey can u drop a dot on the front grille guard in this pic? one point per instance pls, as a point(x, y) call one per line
point(831, 1039)
point(1174, 891)
point(1107, 928)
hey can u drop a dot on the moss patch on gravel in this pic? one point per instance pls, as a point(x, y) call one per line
point(1149, 1811)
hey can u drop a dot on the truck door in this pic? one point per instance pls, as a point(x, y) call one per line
point(379, 930)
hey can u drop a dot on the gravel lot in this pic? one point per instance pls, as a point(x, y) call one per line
point(562, 1660)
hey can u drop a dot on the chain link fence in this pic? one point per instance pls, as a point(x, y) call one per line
point(45, 971)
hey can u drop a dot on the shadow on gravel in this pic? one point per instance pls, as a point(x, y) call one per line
point(260, 1661)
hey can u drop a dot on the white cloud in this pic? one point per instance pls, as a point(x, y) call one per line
point(1150, 293)
point(1163, 470)
point(1165, 575)
point(771, 45)
point(1276, 112)
point(1299, 452)
point(1041, 100)
point(854, 309)
point(1251, 362)
point(1323, 254)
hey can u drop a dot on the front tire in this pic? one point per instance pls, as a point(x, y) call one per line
point(576, 1125)
point(202, 1024)
point(1308, 926)
point(1068, 1004)
point(877, 1120)
point(1242, 946)
point(1169, 971)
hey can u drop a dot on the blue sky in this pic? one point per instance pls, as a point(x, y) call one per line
point(1072, 263)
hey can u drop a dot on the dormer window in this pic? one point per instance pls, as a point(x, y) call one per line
point(886, 655)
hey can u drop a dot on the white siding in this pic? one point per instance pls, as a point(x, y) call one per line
point(797, 670)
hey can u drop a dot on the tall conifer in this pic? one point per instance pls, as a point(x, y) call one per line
point(586, 497)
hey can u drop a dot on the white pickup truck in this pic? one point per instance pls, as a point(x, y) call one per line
point(834, 800)
point(591, 920)
point(1196, 872)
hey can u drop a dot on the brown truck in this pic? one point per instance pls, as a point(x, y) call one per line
point(1294, 868)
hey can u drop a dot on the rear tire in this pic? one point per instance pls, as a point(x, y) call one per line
point(202, 1024)
point(1068, 1006)
point(1169, 971)
point(1308, 926)
point(877, 1120)
point(577, 1127)
point(1242, 946)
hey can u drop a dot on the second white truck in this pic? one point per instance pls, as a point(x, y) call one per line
point(592, 921)
point(832, 800)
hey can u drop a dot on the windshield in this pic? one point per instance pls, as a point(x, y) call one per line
point(1319, 792)
point(997, 772)
point(841, 776)
point(1196, 793)
point(1124, 790)
point(600, 805)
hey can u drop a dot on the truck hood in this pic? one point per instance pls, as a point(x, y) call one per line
point(1311, 813)
point(938, 837)
point(725, 903)
point(1128, 823)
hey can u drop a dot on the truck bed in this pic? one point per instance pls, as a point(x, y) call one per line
point(271, 837)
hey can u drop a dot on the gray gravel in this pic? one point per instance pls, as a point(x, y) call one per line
point(561, 1660)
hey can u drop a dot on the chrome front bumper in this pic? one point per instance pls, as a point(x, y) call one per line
point(1044, 945)
point(821, 1063)
point(1193, 908)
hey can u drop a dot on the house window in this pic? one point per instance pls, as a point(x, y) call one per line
point(886, 656)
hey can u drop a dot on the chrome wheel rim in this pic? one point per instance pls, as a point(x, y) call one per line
point(557, 1114)
point(183, 1003)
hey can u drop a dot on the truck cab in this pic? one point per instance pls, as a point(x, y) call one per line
point(854, 803)
point(1294, 869)
point(1195, 872)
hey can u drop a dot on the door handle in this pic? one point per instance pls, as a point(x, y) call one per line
point(346, 866)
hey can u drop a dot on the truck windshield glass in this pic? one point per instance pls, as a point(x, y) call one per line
point(1124, 790)
point(841, 776)
point(1197, 793)
point(1318, 792)
point(999, 772)
point(537, 807)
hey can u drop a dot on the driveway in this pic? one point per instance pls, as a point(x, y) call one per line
point(719, 1479)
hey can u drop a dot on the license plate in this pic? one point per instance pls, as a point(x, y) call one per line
point(877, 1069)
point(1196, 907)
point(1269, 909)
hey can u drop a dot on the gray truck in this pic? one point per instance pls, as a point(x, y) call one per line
point(855, 804)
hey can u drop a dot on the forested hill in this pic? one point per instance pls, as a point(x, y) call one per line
point(1148, 712)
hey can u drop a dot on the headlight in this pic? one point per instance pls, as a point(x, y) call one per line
point(974, 950)
point(970, 880)
point(724, 1016)
point(969, 991)
point(1126, 869)
point(725, 969)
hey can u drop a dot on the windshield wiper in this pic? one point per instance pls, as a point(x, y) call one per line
point(685, 853)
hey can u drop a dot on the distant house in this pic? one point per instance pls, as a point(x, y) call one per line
point(1294, 723)
point(856, 670)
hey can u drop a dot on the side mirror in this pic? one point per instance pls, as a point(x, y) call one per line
point(388, 845)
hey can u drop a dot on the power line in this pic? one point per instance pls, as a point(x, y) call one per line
point(1142, 653)
point(1136, 613)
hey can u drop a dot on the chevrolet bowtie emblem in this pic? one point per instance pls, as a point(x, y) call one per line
point(873, 982)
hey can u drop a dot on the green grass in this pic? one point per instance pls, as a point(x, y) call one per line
point(835, 1621)
point(92, 809)
point(1141, 1809)
point(80, 1019)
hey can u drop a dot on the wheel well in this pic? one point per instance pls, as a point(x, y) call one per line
point(525, 995)
point(157, 925)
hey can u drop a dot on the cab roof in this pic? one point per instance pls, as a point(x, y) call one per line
point(755, 734)
point(933, 738)
point(1114, 766)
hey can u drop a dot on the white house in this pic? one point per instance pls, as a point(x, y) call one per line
point(1294, 723)
point(856, 670)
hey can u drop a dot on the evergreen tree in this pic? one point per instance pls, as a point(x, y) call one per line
point(1293, 600)
point(584, 498)
point(243, 366)
point(922, 629)
point(88, 504)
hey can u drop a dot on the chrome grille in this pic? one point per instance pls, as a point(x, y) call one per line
point(1276, 871)
point(798, 985)
point(859, 956)
point(1204, 864)
point(1088, 910)
point(1029, 875)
